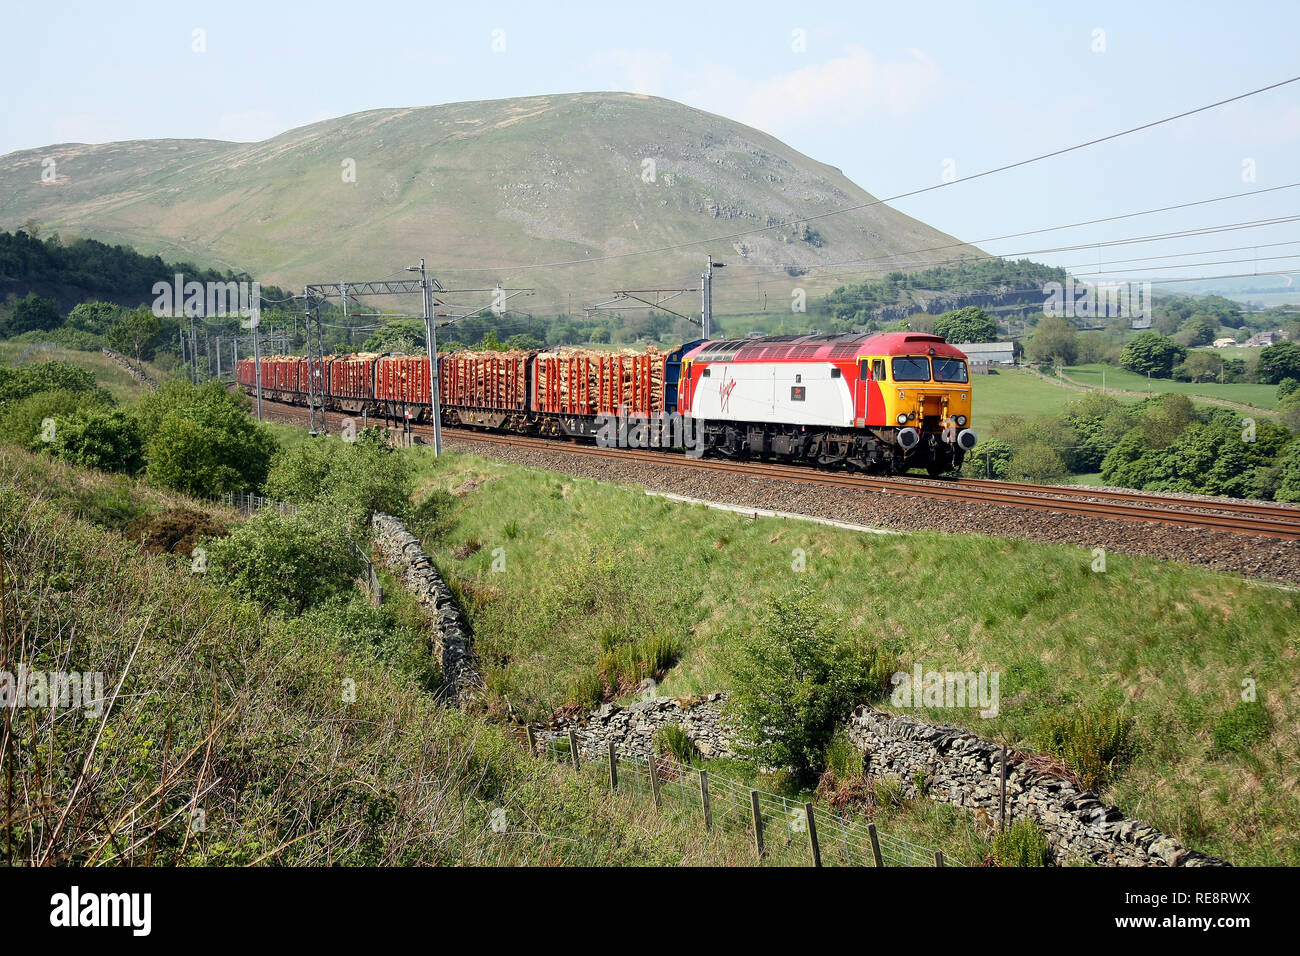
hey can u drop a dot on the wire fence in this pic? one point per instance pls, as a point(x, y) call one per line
point(784, 831)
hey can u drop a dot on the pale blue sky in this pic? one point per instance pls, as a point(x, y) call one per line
point(887, 92)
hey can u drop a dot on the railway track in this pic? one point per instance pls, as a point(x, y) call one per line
point(1261, 519)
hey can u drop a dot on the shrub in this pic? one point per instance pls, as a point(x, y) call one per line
point(1241, 727)
point(107, 439)
point(1287, 387)
point(290, 562)
point(201, 442)
point(796, 677)
point(32, 421)
point(1021, 844)
point(672, 739)
point(1095, 743)
point(358, 478)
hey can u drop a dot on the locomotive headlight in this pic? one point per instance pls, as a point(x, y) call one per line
point(961, 421)
point(902, 418)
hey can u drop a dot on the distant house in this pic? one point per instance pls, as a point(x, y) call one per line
point(1264, 339)
point(1226, 343)
point(983, 355)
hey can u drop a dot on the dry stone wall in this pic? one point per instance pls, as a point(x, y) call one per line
point(958, 767)
point(632, 728)
point(453, 638)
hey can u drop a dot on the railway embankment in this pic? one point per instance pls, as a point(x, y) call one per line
point(955, 766)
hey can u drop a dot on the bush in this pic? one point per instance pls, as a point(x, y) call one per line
point(796, 678)
point(1096, 744)
point(672, 739)
point(990, 459)
point(1035, 461)
point(1287, 387)
point(1241, 727)
point(107, 439)
point(358, 478)
point(33, 422)
point(1021, 844)
point(289, 562)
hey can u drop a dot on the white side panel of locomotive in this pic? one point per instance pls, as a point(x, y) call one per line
point(796, 393)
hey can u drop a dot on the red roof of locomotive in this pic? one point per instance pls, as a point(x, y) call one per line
point(821, 348)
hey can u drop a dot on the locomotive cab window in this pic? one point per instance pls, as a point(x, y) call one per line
point(878, 369)
point(949, 370)
point(913, 368)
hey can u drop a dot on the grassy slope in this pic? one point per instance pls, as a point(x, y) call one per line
point(1172, 643)
point(287, 771)
point(108, 373)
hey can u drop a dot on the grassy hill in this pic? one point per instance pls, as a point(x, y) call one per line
point(470, 186)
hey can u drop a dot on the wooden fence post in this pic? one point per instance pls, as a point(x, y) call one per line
point(573, 749)
point(654, 781)
point(704, 799)
point(758, 822)
point(938, 857)
point(1002, 799)
point(613, 767)
point(875, 844)
point(532, 740)
point(812, 834)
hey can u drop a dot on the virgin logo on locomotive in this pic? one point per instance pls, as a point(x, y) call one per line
point(724, 391)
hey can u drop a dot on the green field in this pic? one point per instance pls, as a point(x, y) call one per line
point(1013, 391)
point(1245, 393)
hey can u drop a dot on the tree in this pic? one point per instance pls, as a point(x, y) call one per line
point(136, 333)
point(1197, 331)
point(1288, 488)
point(1150, 353)
point(33, 313)
point(971, 324)
point(1199, 367)
point(96, 317)
point(796, 678)
point(1278, 362)
point(1035, 461)
point(1054, 340)
point(398, 338)
point(206, 445)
